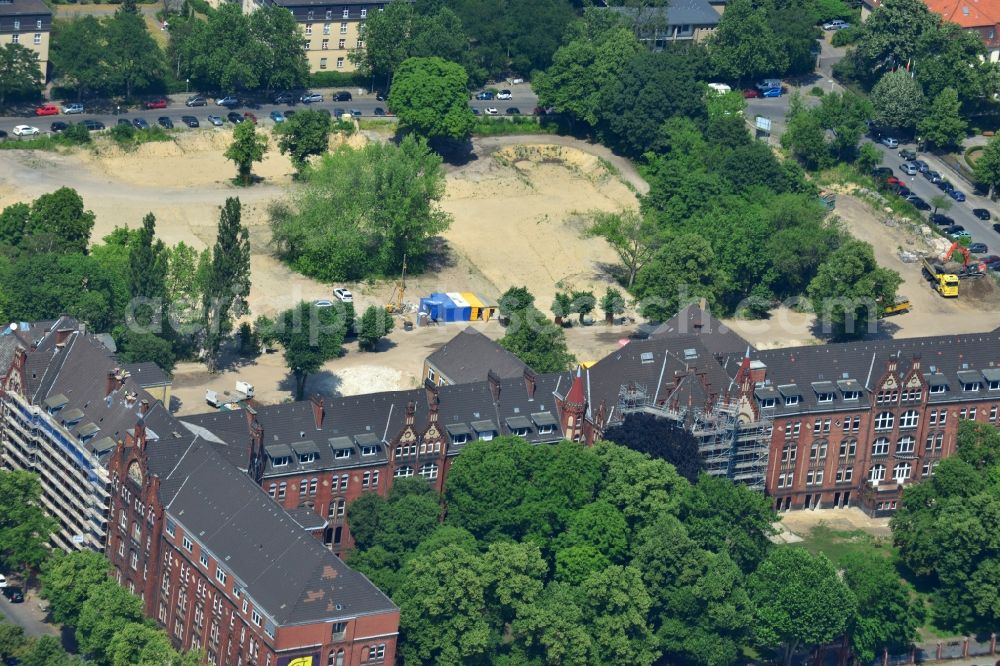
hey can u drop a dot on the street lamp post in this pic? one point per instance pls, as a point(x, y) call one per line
point(187, 85)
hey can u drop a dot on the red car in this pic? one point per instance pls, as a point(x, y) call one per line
point(249, 116)
point(751, 93)
point(156, 104)
point(47, 110)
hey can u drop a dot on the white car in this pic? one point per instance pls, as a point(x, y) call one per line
point(323, 303)
point(836, 24)
point(72, 108)
point(504, 94)
point(25, 130)
point(3, 581)
point(344, 295)
point(492, 111)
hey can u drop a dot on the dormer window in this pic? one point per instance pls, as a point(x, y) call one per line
point(460, 439)
point(305, 458)
point(938, 389)
point(791, 400)
point(369, 450)
point(995, 385)
point(341, 454)
point(280, 461)
point(767, 403)
point(971, 386)
point(824, 397)
point(521, 432)
point(545, 430)
point(851, 395)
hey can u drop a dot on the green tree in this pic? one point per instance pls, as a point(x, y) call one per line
point(140, 644)
point(132, 56)
point(868, 158)
point(147, 262)
point(68, 578)
point(13, 222)
point(58, 223)
point(537, 341)
point(304, 134)
point(744, 46)
point(631, 235)
point(953, 57)
point(375, 324)
point(601, 526)
point(940, 202)
point(987, 167)
point(184, 285)
point(890, 37)
point(108, 609)
point(385, 37)
point(562, 306)
point(638, 486)
point(12, 640)
point(849, 288)
point(799, 601)
point(430, 97)
point(227, 282)
point(25, 529)
point(612, 303)
point(45, 651)
point(20, 73)
point(281, 53)
point(889, 612)
point(617, 605)
point(684, 268)
point(511, 302)
point(77, 54)
point(135, 347)
point(310, 336)
point(362, 211)
point(443, 613)
point(554, 629)
point(583, 303)
point(943, 125)
point(247, 147)
point(897, 101)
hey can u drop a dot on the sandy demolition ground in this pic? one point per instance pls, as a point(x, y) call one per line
point(518, 215)
point(977, 308)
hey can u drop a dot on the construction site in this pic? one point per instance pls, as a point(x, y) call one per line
point(731, 443)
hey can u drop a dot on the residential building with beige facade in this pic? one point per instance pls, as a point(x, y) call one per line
point(28, 23)
point(331, 30)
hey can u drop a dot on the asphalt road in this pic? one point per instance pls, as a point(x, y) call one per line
point(961, 212)
point(27, 616)
point(523, 98)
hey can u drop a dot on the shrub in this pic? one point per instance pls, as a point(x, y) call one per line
point(123, 134)
point(338, 80)
point(76, 135)
point(816, 91)
point(846, 37)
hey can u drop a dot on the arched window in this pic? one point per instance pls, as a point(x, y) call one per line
point(884, 421)
point(877, 473)
point(909, 419)
point(906, 444)
point(818, 450)
point(880, 446)
point(901, 472)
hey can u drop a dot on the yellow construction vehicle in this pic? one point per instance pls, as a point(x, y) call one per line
point(945, 284)
point(900, 305)
point(395, 304)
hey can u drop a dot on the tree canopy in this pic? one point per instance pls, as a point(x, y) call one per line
point(430, 97)
point(362, 211)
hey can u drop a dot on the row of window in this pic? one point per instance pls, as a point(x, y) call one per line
point(906, 445)
point(346, 13)
point(17, 24)
point(15, 38)
point(428, 471)
point(279, 490)
point(403, 451)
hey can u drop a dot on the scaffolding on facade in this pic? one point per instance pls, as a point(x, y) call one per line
point(730, 446)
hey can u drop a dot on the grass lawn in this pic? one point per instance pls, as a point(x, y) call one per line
point(837, 544)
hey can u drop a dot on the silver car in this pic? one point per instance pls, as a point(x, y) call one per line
point(889, 142)
point(72, 108)
point(909, 168)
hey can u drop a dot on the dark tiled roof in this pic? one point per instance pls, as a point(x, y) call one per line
point(716, 337)
point(468, 356)
point(147, 374)
point(677, 13)
point(285, 571)
point(24, 8)
point(942, 358)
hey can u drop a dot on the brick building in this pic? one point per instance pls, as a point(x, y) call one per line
point(216, 562)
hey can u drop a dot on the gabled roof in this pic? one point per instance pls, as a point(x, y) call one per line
point(676, 13)
point(468, 357)
point(696, 319)
point(287, 572)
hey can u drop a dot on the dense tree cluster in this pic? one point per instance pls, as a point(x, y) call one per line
point(945, 531)
point(160, 303)
point(361, 211)
point(530, 335)
point(564, 554)
point(115, 55)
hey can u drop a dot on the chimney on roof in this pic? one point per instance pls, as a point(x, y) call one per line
point(62, 335)
point(411, 409)
point(432, 406)
point(916, 361)
point(139, 437)
point(431, 390)
point(529, 382)
point(758, 372)
point(318, 411)
point(494, 380)
point(144, 407)
point(111, 385)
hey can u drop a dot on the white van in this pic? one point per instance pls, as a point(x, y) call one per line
point(720, 88)
point(767, 84)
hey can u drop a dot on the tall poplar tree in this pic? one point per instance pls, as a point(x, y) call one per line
point(228, 283)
